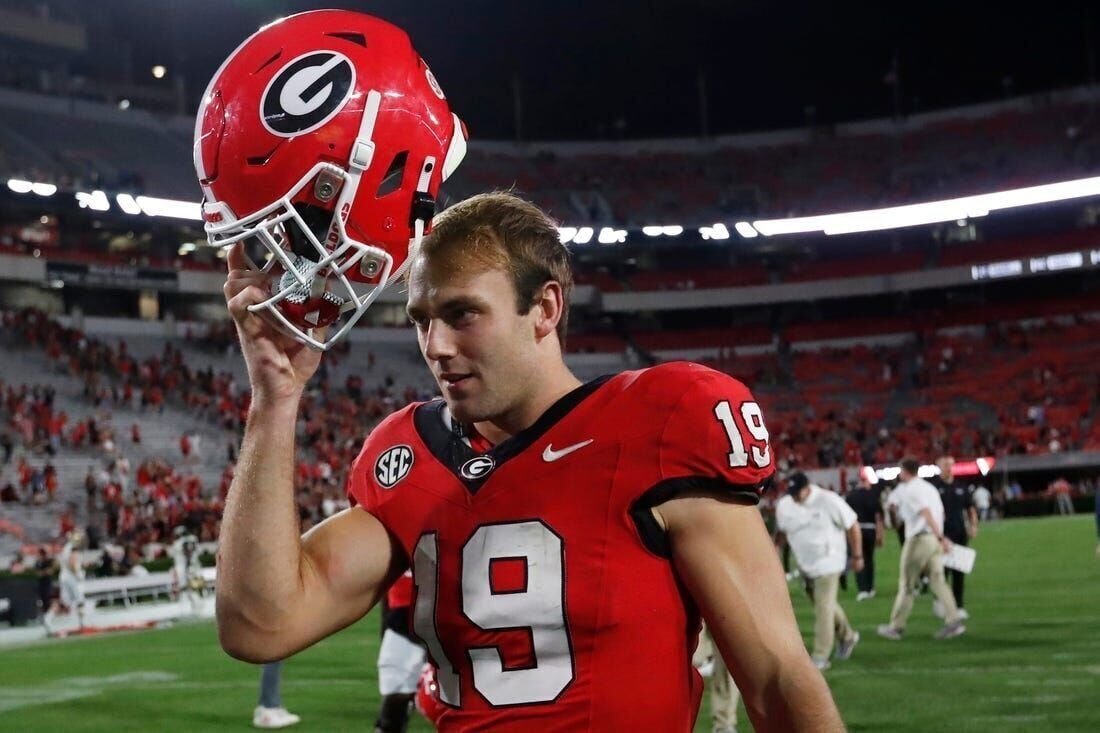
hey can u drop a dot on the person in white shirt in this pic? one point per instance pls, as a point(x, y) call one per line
point(186, 566)
point(820, 528)
point(982, 501)
point(920, 508)
point(71, 580)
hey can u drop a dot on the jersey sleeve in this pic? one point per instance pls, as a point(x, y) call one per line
point(362, 487)
point(716, 436)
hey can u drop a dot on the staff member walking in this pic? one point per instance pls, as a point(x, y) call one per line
point(820, 528)
point(866, 502)
point(920, 508)
point(960, 522)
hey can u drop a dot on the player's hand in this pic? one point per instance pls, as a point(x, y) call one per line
point(880, 539)
point(972, 530)
point(278, 365)
point(857, 564)
point(946, 544)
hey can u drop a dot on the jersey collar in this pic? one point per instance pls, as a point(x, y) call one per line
point(447, 440)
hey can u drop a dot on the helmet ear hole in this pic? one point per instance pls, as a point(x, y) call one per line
point(394, 176)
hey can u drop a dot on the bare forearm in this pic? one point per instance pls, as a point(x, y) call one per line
point(798, 700)
point(933, 525)
point(855, 541)
point(259, 549)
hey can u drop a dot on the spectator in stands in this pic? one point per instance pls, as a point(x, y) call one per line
point(960, 523)
point(921, 510)
point(822, 529)
point(6, 445)
point(91, 488)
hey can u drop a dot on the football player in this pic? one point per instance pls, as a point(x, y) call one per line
point(564, 538)
point(400, 659)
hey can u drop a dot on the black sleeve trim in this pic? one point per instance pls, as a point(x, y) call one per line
point(653, 537)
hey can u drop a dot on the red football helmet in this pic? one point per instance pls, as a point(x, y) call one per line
point(427, 695)
point(324, 138)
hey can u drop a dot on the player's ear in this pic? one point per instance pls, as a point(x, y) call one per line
point(548, 307)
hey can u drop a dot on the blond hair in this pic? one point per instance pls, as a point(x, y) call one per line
point(500, 230)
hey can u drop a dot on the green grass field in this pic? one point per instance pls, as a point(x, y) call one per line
point(1030, 662)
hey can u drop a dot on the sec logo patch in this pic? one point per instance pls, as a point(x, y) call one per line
point(393, 465)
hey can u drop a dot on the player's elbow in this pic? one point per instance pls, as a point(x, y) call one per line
point(247, 642)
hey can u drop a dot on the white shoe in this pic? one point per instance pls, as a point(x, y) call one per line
point(938, 609)
point(862, 596)
point(963, 614)
point(273, 718)
point(844, 648)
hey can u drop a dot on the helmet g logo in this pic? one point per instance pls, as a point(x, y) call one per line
point(393, 465)
point(307, 93)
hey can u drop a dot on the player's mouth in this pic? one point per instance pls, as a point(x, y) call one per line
point(453, 380)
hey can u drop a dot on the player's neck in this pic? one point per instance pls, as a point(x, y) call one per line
point(546, 390)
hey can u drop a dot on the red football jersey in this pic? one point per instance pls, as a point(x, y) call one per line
point(401, 592)
point(543, 587)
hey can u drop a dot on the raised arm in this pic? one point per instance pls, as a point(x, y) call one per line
point(279, 592)
point(723, 555)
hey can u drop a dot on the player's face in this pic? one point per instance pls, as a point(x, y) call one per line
point(480, 350)
point(947, 467)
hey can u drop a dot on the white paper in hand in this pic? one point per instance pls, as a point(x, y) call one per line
point(960, 558)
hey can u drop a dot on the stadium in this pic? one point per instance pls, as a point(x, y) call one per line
point(885, 224)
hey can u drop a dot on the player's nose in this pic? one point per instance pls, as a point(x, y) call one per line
point(439, 341)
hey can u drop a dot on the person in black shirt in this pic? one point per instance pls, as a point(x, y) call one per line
point(960, 519)
point(45, 567)
point(867, 503)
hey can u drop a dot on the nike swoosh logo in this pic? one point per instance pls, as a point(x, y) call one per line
point(550, 455)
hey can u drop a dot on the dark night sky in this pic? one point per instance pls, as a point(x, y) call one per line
point(585, 66)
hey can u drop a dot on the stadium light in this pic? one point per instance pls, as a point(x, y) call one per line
point(718, 231)
point(583, 235)
point(932, 212)
point(18, 185)
point(745, 230)
point(169, 207)
point(185, 248)
point(128, 204)
point(159, 71)
point(124, 104)
point(610, 235)
point(96, 200)
point(655, 230)
point(566, 234)
point(44, 189)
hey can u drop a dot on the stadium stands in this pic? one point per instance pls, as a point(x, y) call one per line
point(964, 151)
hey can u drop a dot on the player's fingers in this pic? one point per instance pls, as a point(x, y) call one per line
point(235, 258)
point(239, 302)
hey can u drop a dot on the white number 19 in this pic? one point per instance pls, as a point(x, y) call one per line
point(753, 418)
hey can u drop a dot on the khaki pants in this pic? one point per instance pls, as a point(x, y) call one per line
point(724, 695)
point(830, 621)
point(921, 555)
